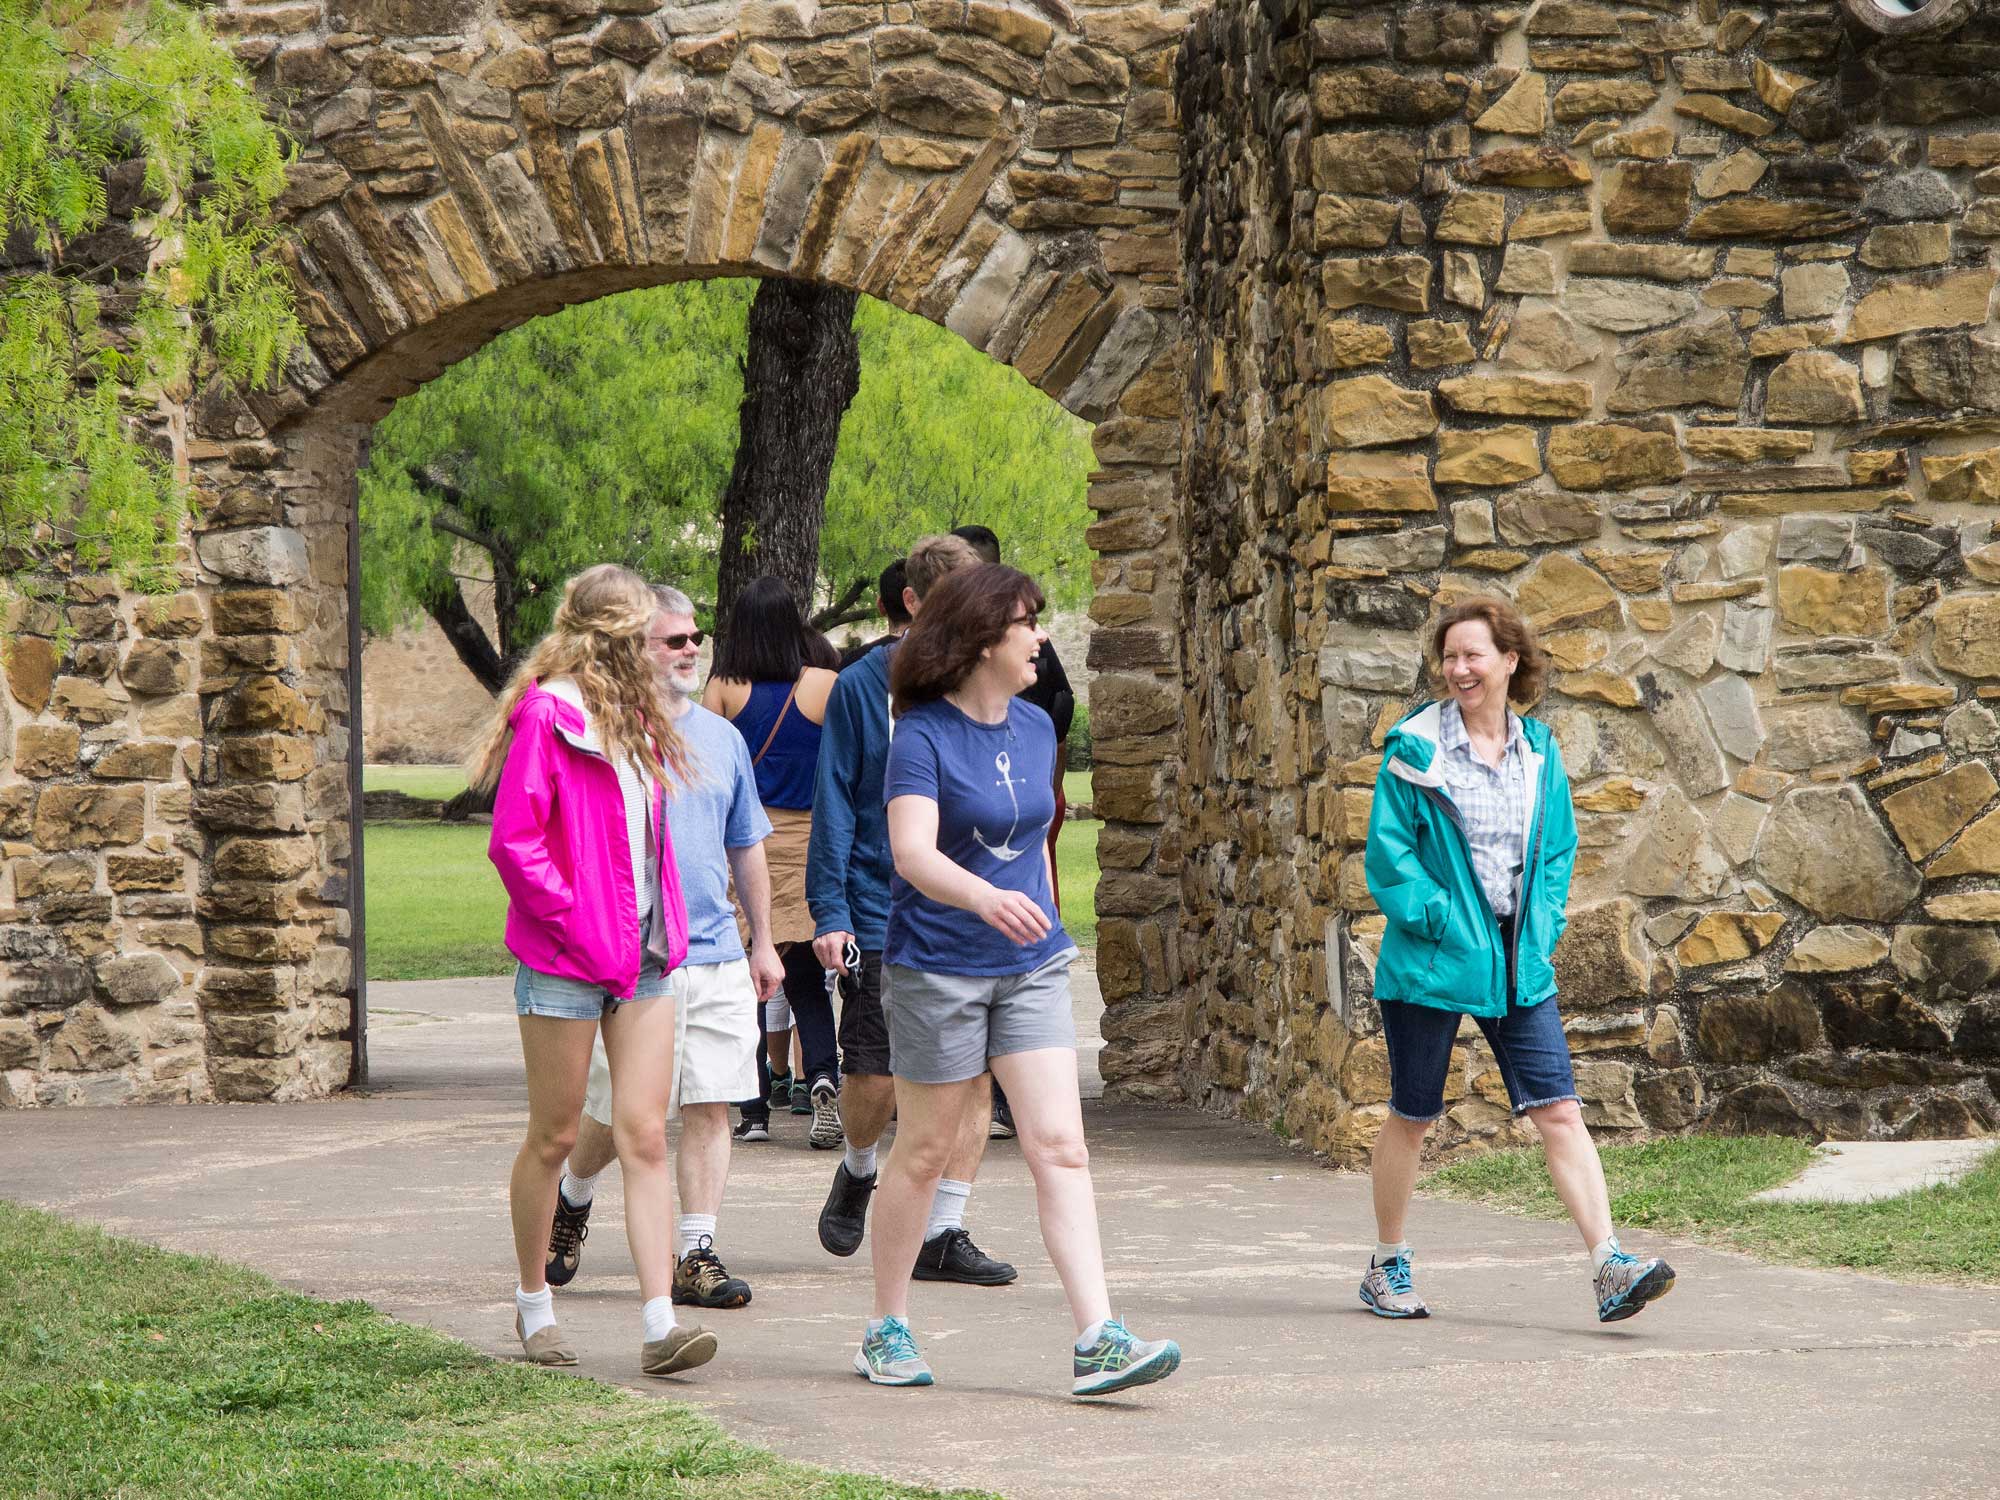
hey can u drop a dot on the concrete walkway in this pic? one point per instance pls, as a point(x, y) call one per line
point(1749, 1381)
point(1862, 1171)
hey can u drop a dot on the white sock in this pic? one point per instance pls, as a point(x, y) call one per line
point(657, 1318)
point(1600, 1253)
point(537, 1310)
point(860, 1160)
point(1087, 1340)
point(693, 1227)
point(948, 1208)
point(578, 1191)
point(1386, 1252)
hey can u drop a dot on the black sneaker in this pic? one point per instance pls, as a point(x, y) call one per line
point(566, 1237)
point(802, 1099)
point(781, 1091)
point(1002, 1128)
point(845, 1217)
point(701, 1279)
point(951, 1256)
point(751, 1130)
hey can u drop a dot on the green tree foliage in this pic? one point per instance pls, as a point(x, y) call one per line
point(607, 432)
point(88, 340)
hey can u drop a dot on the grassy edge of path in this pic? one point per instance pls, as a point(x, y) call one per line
point(128, 1371)
point(1700, 1187)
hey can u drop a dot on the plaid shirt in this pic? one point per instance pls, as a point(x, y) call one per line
point(1493, 804)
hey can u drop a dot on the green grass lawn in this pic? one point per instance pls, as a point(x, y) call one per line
point(433, 783)
point(1701, 1185)
point(128, 1372)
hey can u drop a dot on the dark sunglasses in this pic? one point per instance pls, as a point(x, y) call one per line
point(678, 642)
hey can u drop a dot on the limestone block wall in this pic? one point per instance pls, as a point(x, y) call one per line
point(1674, 324)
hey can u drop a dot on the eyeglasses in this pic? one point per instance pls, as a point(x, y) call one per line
point(677, 642)
point(1029, 620)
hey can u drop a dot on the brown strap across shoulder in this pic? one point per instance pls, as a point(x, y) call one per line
point(758, 759)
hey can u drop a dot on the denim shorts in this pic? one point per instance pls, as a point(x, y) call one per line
point(1527, 1043)
point(539, 994)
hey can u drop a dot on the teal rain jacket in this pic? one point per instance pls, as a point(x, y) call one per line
point(1442, 946)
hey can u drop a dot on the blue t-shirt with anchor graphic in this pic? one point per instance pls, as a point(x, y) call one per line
point(994, 787)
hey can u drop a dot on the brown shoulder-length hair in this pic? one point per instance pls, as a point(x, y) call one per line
point(1510, 633)
point(965, 612)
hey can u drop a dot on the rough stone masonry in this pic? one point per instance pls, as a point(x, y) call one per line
point(1672, 322)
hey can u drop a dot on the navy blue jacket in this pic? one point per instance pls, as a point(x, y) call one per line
point(848, 865)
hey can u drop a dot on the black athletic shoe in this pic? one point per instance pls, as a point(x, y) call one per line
point(1002, 1128)
point(751, 1130)
point(845, 1217)
point(566, 1237)
point(802, 1101)
point(951, 1256)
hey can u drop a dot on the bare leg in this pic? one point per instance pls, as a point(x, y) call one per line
point(1398, 1151)
point(1575, 1169)
point(639, 1045)
point(557, 1054)
point(1048, 1115)
point(701, 1165)
point(970, 1149)
point(866, 1102)
point(594, 1149)
point(930, 1119)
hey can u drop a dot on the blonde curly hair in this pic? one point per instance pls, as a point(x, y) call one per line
point(598, 638)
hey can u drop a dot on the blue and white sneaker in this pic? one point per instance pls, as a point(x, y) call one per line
point(1386, 1290)
point(888, 1356)
point(1118, 1361)
point(1626, 1284)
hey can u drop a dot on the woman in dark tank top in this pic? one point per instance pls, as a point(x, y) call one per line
point(771, 678)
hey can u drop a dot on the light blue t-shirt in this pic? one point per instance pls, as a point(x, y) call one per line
point(994, 785)
point(719, 813)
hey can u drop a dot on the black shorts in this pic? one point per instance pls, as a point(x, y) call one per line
point(864, 1034)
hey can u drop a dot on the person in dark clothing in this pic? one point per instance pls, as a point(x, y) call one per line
point(1052, 694)
point(889, 604)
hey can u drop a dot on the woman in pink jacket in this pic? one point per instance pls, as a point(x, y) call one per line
point(579, 745)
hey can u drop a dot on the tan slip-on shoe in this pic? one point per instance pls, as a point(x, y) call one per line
point(545, 1346)
point(683, 1348)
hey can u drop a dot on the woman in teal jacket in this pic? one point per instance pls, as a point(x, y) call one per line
point(1471, 842)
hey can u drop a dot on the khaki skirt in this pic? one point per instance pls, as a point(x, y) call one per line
point(785, 854)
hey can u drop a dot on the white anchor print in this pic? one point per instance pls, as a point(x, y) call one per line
point(1004, 850)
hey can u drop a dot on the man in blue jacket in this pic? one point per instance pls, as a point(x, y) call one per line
point(848, 866)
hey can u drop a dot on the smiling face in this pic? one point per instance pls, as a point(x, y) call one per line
point(678, 664)
point(1476, 672)
point(1013, 657)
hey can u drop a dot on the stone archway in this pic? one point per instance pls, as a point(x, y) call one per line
point(1009, 176)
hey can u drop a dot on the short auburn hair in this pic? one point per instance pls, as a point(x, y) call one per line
point(1510, 633)
point(967, 611)
point(932, 558)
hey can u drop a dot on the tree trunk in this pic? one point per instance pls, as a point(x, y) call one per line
point(802, 368)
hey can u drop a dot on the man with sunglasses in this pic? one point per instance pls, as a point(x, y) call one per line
point(847, 887)
point(719, 828)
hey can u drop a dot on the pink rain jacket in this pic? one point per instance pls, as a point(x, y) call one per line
point(560, 845)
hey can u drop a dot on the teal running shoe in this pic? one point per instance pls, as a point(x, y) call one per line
point(1626, 1284)
point(1386, 1290)
point(1118, 1361)
point(888, 1356)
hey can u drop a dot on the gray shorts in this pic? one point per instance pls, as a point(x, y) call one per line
point(944, 1027)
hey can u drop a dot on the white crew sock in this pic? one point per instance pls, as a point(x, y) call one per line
point(1386, 1252)
point(1087, 1340)
point(656, 1318)
point(578, 1191)
point(860, 1160)
point(693, 1227)
point(537, 1310)
point(948, 1208)
point(1600, 1253)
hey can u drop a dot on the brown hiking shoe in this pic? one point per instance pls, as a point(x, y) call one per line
point(545, 1346)
point(701, 1280)
point(682, 1349)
